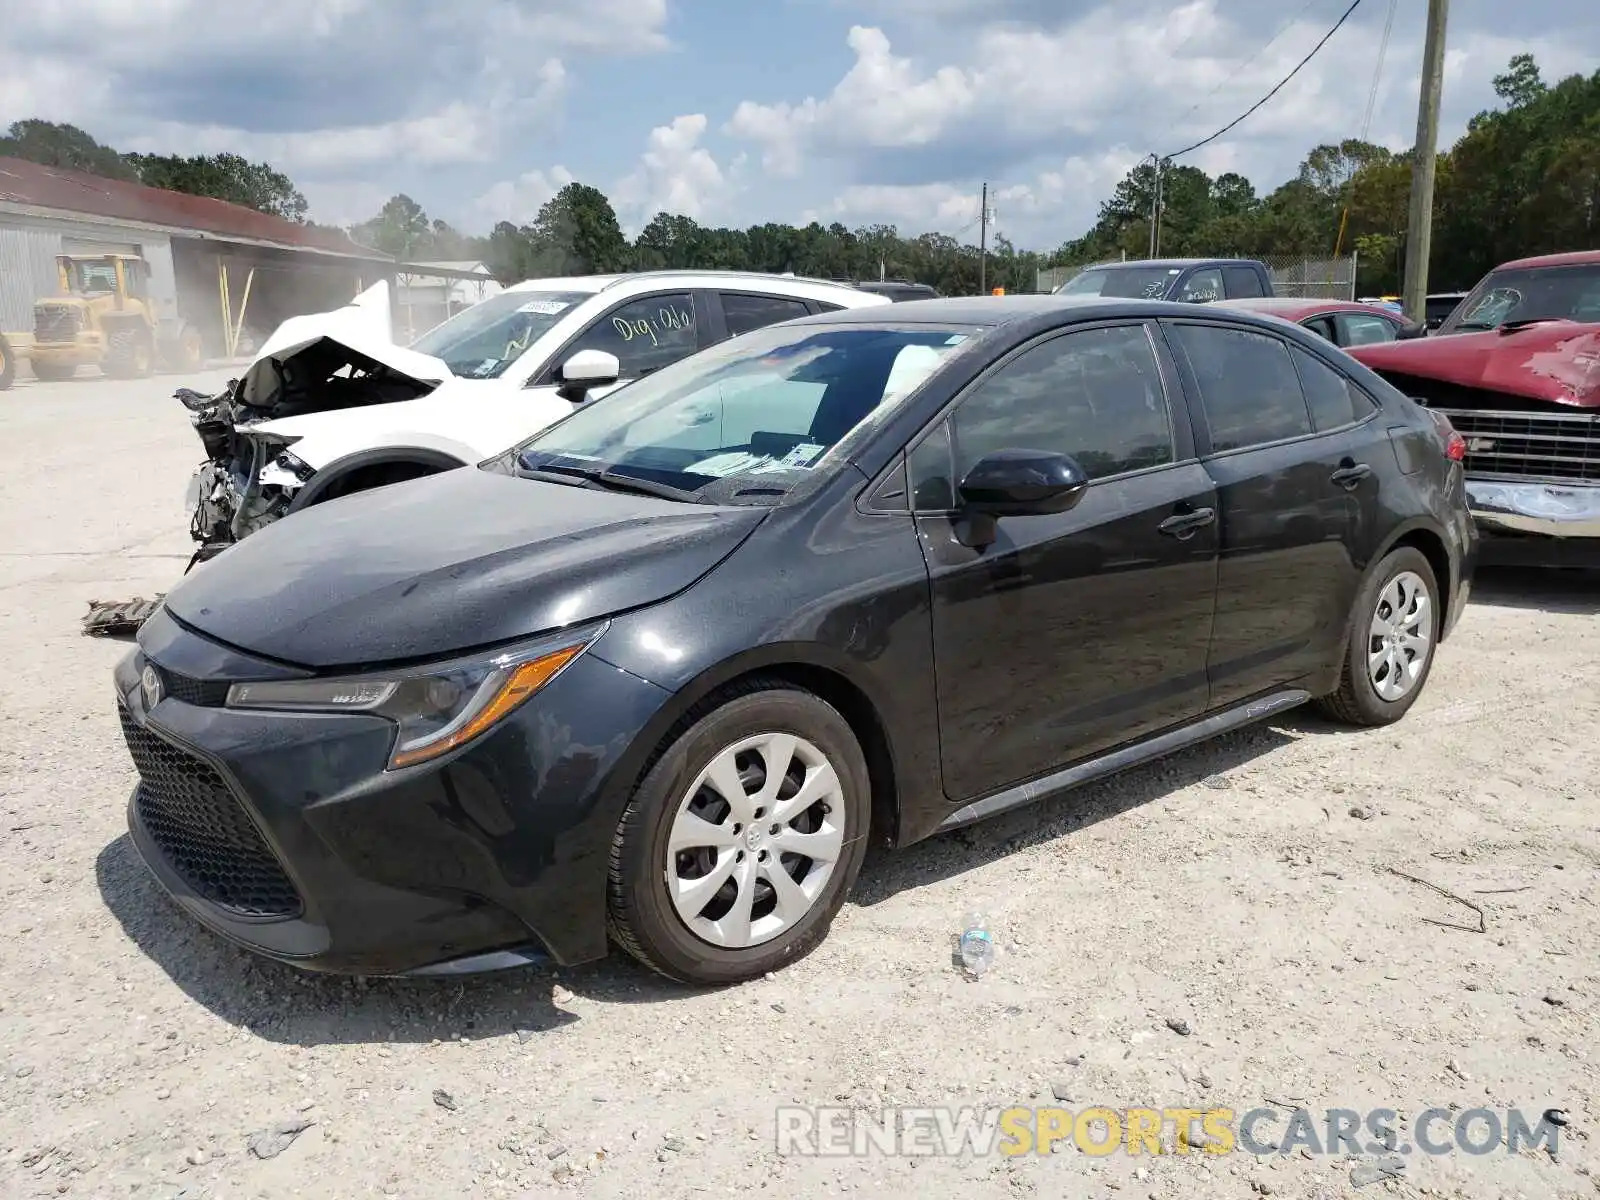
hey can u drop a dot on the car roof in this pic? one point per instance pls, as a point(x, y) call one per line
point(799, 286)
point(1003, 310)
point(1573, 258)
point(1172, 262)
point(1294, 308)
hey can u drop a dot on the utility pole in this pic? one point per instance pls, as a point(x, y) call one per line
point(1155, 206)
point(983, 242)
point(1419, 228)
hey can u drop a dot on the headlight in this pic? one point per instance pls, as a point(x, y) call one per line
point(438, 707)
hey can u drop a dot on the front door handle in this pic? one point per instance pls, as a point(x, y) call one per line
point(1184, 525)
point(1348, 477)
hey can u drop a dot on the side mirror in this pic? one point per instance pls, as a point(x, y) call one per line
point(588, 369)
point(1016, 483)
point(1410, 330)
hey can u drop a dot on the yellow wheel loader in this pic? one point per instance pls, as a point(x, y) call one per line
point(103, 317)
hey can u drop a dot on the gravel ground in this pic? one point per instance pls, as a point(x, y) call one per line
point(1241, 892)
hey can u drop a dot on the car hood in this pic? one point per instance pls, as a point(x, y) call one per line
point(1557, 361)
point(450, 562)
point(361, 328)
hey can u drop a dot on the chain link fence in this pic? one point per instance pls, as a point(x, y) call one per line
point(1306, 278)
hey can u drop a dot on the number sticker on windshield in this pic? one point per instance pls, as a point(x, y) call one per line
point(546, 308)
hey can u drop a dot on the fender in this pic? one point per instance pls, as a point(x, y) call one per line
point(383, 455)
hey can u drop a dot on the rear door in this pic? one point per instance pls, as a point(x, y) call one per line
point(1074, 631)
point(1293, 493)
point(741, 312)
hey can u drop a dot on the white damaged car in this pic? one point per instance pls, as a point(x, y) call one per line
point(331, 405)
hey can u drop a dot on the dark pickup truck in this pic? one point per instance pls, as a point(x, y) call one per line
point(1190, 280)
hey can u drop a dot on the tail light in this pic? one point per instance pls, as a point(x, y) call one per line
point(1455, 446)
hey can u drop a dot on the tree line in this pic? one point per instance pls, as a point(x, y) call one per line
point(1523, 179)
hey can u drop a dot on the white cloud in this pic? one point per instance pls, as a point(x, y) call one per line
point(1031, 93)
point(519, 200)
point(676, 174)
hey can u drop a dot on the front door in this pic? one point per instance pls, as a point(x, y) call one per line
point(1289, 507)
point(1072, 632)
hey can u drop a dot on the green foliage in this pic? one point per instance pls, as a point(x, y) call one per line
point(223, 177)
point(64, 146)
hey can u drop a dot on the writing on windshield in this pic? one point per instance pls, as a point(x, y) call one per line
point(1531, 294)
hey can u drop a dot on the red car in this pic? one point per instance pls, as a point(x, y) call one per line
point(1516, 368)
point(1345, 323)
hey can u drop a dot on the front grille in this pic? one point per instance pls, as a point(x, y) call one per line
point(1555, 447)
point(55, 324)
point(204, 832)
point(207, 693)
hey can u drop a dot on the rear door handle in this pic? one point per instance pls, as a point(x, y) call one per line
point(1184, 525)
point(1348, 477)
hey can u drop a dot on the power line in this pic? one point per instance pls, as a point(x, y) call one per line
point(1247, 112)
point(1377, 73)
point(1234, 74)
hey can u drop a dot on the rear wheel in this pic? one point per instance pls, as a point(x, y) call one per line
point(1393, 632)
point(742, 840)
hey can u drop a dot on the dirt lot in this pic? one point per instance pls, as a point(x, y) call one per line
point(1241, 891)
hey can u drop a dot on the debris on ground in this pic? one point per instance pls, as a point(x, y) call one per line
point(271, 1142)
point(113, 618)
point(444, 1099)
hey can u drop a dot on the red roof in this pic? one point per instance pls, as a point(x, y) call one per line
point(1573, 258)
point(37, 186)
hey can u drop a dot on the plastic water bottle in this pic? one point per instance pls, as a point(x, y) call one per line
point(977, 945)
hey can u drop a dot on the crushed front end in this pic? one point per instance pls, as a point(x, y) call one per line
point(249, 478)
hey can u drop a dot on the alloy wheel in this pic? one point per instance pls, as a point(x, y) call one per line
point(1400, 637)
point(755, 839)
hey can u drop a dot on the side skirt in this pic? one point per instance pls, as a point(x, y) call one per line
point(1122, 759)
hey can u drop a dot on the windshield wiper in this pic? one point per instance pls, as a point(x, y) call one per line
point(606, 480)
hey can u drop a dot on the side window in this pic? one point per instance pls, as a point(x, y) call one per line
point(745, 311)
point(1363, 329)
point(1241, 282)
point(1248, 386)
point(932, 489)
point(1096, 395)
point(1323, 328)
point(1333, 399)
point(1202, 287)
point(645, 334)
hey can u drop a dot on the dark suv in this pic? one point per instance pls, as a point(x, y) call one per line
point(657, 676)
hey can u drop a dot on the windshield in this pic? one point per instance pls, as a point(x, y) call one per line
point(96, 276)
point(1142, 283)
point(484, 340)
point(1530, 294)
point(746, 421)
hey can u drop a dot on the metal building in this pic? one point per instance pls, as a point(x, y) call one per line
point(429, 292)
point(232, 272)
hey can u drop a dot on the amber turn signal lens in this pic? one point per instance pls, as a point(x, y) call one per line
point(519, 684)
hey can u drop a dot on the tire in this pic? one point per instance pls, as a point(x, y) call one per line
point(186, 352)
point(130, 354)
point(701, 940)
point(1379, 694)
point(49, 372)
point(8, 365)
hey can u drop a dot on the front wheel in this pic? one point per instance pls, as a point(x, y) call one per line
point(1393, 631)
point(8, 365)
point(742, 840)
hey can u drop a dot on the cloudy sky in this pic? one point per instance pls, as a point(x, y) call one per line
point(739, 111)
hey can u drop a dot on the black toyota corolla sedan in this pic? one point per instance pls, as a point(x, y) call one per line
point(657, 676)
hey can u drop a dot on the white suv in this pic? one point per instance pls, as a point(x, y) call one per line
point(331, 405)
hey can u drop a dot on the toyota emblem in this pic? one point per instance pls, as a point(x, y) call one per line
point(151, 682)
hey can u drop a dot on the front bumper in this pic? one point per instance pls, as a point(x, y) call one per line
point(1543, 509)
point(284, 833)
